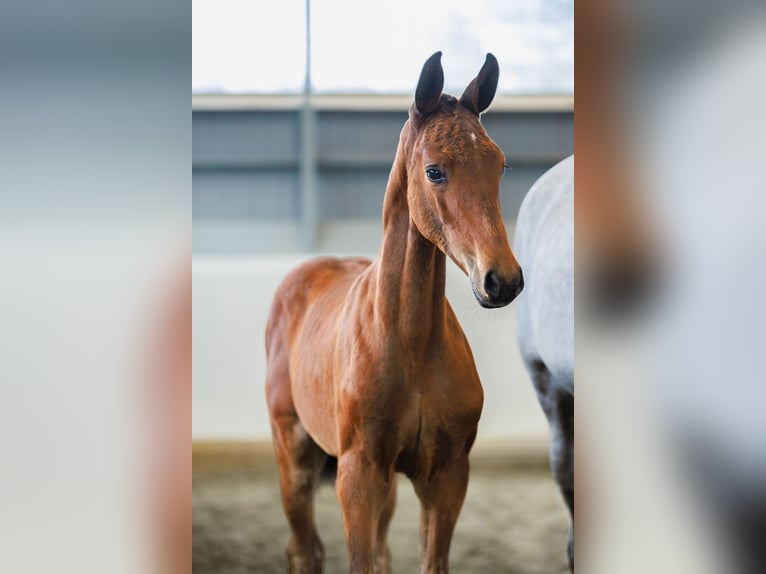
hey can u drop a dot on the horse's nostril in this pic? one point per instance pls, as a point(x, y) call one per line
point(492, 285)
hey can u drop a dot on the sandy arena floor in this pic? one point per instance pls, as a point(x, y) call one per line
point(511, 522)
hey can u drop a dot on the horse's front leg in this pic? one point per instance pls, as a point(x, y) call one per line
point(558, 406)
point(441, 499)
point(382, 551)
point(364, 490)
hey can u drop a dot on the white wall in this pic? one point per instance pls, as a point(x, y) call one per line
point(232, 296)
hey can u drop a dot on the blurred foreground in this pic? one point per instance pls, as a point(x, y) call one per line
point(671, 437)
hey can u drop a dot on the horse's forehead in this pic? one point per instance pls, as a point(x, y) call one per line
point(458, 136)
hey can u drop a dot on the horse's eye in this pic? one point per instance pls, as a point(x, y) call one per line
point(434, 175)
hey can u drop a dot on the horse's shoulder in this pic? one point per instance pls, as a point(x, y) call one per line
point(553, 189)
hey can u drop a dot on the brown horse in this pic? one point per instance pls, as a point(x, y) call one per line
point(367, 361)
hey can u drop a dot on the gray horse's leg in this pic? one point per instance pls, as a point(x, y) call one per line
point(558, 405)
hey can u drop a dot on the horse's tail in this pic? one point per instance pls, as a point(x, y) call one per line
point(329, 470)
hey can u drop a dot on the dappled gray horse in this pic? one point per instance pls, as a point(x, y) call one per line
point(544, 246)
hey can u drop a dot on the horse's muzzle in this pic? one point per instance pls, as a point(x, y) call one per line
point(497, 291)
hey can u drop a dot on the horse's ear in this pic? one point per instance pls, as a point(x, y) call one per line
point(479, 93)
point(430, 85)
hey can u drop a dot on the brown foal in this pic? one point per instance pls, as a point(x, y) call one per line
point(366, 359)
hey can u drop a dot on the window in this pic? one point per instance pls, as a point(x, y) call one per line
point(247, 46)
point(379, 47)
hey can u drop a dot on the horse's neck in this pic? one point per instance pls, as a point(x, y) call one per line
point(411, 269)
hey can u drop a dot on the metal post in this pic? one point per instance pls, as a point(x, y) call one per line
point(308, 159)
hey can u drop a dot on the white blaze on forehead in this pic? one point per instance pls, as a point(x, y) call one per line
point(473, 136)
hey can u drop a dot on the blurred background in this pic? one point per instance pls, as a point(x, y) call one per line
point(671, 438)
point(291, 154)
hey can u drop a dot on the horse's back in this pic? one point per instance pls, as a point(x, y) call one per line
point(301, 336)
point(544, 245)
point(318, 285)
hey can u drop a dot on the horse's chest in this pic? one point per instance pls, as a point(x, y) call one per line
point(439, 439)
point(438, 422)
point(419, 408)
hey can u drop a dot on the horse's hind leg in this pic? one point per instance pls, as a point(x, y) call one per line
point(382, 551)
point(300, 461)
point(558, 406)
